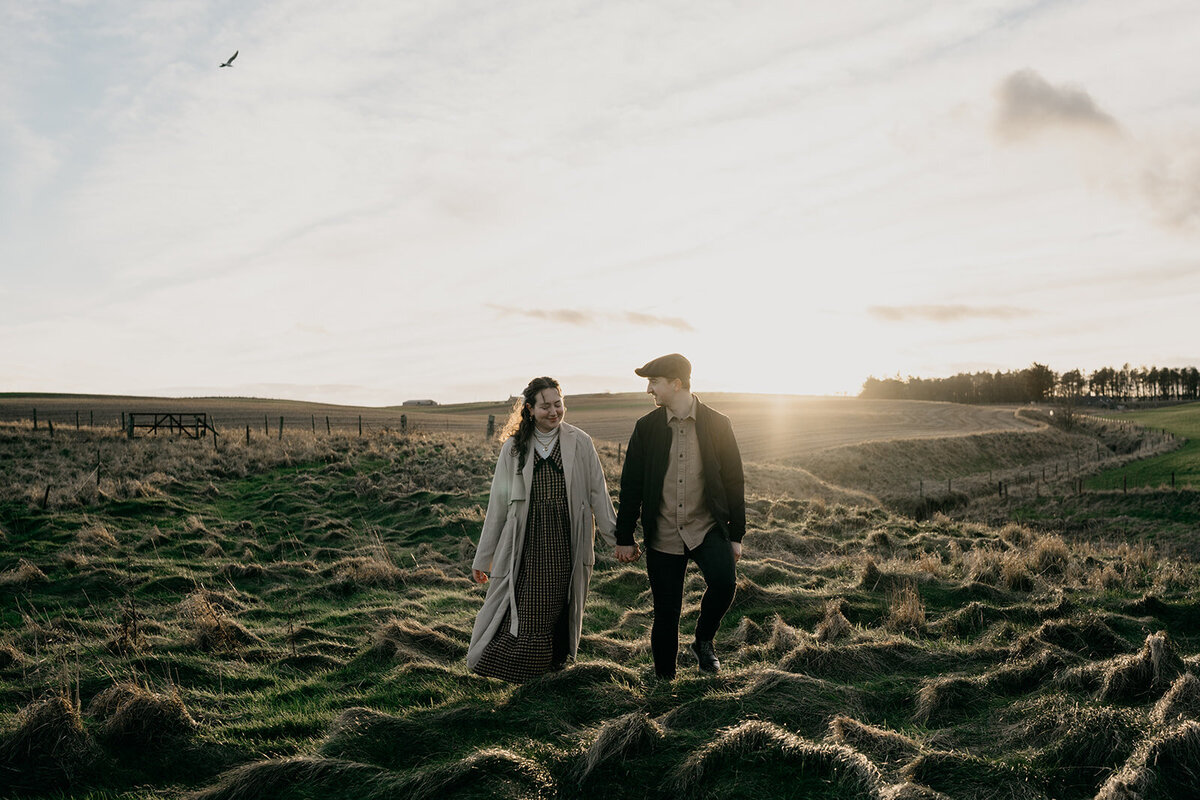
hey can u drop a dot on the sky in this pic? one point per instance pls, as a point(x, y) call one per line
point(383, 201)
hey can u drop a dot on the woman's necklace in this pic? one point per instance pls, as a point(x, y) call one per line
point(545, 441)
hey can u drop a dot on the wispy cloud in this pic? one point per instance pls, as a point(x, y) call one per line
point(1030, 105)
point(946, 313)
point(580, 317)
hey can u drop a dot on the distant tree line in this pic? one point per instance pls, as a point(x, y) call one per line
point(1038, 382)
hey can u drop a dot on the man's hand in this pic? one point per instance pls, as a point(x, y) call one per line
point(737, 551)
point(628, 553)
point(479, 575)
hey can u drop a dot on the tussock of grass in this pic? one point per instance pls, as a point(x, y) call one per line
point(319, 777)
point(609, 648)
point(879, 744)
point(1166, 765)
point(46, 749)
point(211, 629)
point(1182, 701)
point(10, 656)
point(409, 640)
point(963, 775)
point(1083, 745)
point(1089, 636)
point(373, 570)
point(800, 701)
point(748, 633)
point(834, 626)
point(911, 791)
point(840, 771)
point(395, 742)
point(492, 772)
point(906, 611)
point(1144, 674)
point(630, 735)
point(24, 574)
point(138, 720)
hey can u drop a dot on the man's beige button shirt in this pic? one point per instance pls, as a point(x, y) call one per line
point(683, 518)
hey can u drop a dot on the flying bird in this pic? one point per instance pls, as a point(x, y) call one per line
point(229, 63)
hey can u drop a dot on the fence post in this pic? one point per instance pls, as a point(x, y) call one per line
point(314, 421)
point(35, 419)
point(76, 420)
point(129, 430)
point(266, 426)
point(91, 419)
point(360, 424)
point(50, 426)
point(404, 423)
point(247, 434)
point(491, 428)
point(328, 430)
point(97, 467)
point(122, 420)
point(280, 426)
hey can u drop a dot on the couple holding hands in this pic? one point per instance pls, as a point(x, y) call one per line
point(682, 477)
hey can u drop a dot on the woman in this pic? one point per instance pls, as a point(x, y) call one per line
point(537, 543)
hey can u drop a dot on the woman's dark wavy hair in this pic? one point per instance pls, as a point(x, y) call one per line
point(520, 421)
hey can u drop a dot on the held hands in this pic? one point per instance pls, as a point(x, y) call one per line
point(737, 551)
point(628, 553)
point(479, 575)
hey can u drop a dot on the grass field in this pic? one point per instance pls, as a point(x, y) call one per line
point(1183, 464)
point(288, 619)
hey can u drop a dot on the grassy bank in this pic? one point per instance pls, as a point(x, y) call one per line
point(289, 619)
point(1181, 466)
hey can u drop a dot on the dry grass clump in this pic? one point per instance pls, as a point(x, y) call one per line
point(1090, 636)
point(1166, 765)
point(632, 734)
point(96, 537)
point(835, 625)
point(878, 744)
point(993, 567)
point(394, 742)
point(1146, 673)
point(844, 772)
point(10, 656)
point(498, 772)
point(327, 777)
point(372, 570)
point(134, 718)
point(46, 749)
point(906, 611)
point(24, 574)
point(942, 698)
point(1048, 555)
point(1081, 744)
point(962, 775)
point(212, 630)
point(912, 791)
point(783, 637)
point(1182, 701)
point(409, 640)
point(748, 633)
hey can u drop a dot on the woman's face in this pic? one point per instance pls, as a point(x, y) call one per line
point(547, 410)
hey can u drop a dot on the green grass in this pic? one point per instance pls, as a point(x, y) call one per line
point(309, 601)
point(1183, 464)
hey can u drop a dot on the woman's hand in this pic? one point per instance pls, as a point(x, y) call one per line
point(627, 553)
point(479, 575)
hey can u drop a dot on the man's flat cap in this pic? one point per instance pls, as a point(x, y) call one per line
point(669, 367)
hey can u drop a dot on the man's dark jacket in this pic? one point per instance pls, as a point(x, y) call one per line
point(646, 468)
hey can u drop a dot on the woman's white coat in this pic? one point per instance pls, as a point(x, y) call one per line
point(502, 539)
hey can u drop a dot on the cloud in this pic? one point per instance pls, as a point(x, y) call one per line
point(946, 313)
point(586, 318)
point(1030, 105)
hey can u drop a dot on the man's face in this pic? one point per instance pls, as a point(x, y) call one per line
point(664, 390)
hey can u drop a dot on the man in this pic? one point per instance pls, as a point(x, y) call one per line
point(683, 476)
